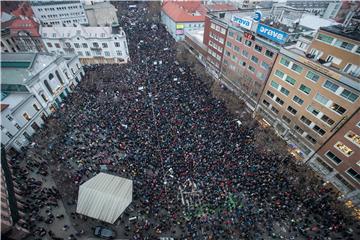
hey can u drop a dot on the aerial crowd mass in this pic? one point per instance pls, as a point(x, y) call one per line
point(196, 172)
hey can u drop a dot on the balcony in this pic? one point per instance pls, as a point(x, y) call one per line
point(69, 49)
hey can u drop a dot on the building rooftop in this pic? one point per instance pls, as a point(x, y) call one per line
point(14, 99)
point(285, 28)
point(315, 22)
point(57, 32)
point(17, 68)
point(55, 2)
point(24, 24)
point(185, 11)
point(339, 30)
point(98, 5)
point(3, 106)
point(198, 35)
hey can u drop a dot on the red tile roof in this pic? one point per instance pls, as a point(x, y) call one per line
point(3, 106)
point(179, 12)
point(24, 24)
point(24, 9)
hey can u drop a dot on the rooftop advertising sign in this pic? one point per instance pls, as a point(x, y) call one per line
point(272, 33)
point(243, 22)
point(179, 26)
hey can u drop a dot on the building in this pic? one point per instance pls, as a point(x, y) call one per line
point(194, 42)
point(338, 49)
point(179, 17)
point(47, 77)
point(101, 14)
point(59, 13)
point(307, 99)
point(338, 160)
point(7, 42)
point(24, 32)
point(24, 9)
point(93, 45)
point(318, 7)
point(13, 225)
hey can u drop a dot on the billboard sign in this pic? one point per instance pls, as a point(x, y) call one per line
point(179, 32)
point(258, 16)
point(243, 22)
point(179, 26)
point(272, 33)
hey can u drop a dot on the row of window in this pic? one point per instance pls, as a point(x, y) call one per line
point(218, 28)
point(214, 54)
point(83, 45)
point(217, 47)
point(59, 8)
point(217, 38)
point(339, 43)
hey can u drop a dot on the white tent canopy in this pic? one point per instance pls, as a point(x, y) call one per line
point(104, 197)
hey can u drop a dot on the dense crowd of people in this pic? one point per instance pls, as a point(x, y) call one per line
point(196, 173)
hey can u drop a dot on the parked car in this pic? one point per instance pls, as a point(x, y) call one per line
point(104, 232)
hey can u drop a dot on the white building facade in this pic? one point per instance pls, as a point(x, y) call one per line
point(59, 13)
point(93, 45)
point(21, 116)
point(49, 78)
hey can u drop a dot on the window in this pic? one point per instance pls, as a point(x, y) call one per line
point(290, 80)
point(236, 48)
point(59, 77)
point(305, 120)
point(26, 116)
point(266, 103)
point(107, 53)
point(9, 135)
point(325, 38)
point(251, 68)
point(331, 86)
point(344, 149)
point(17, 126)
point(95, 45)
point(36, 107)
point(57, 45)
point(353, 137)
point(10, 118)
point(319, 130)
point(274, 110)
point(305, 89)
point(321, 99)
point(292, 110)
point(337, 108)
point(327, 120)
point(228, 44)
point(260, 75)
point(48, 87)
point(87, 53)
point(231, 34)
point(248, 43)
point(345, 45)
point(44, 97)
point(49, 44)
point(118, 52)
point(354, 174)
point(269, 53)
point(312, 76)
point(258, 48)
point(84, 45)
point(352, 97)
point(227, 53)
point(270, 94)
point(298, 129)
point(274, 84)
point(117, 44)
point(254, 59)
point(333, 157)
point(310, 139)
point(80, 53)
point(279, 101)
point(265, 65)
point(279, 74)
point(286, 119)
point(297, 68)
point(313, 110)
point(238, 38)
point(298, 100)
point(284, 62)
point(245, 53)
point(284, 91)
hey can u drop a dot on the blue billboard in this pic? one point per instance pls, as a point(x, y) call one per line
point(272, 33)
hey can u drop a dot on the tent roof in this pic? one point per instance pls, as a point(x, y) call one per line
point(104, 197)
